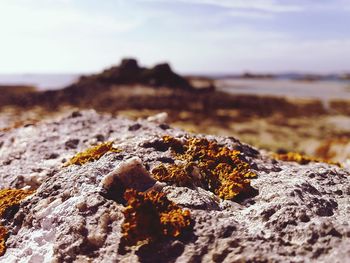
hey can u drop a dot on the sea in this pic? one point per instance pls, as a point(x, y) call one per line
point(40, 81)
point(323, 90)
point(282, 87)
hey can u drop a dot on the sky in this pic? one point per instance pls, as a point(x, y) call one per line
point(194, 36)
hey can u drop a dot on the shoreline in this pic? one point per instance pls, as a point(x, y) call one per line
point(272, 123)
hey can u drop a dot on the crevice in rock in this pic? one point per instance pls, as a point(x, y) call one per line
point(158, 145)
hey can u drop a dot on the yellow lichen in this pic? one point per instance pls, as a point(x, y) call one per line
point(301, 159)
point(208, 165)
point(151, 216)
point(3, 235)
point(12, 197)
point(92, 154)
point(8, 199)
point(180, 175)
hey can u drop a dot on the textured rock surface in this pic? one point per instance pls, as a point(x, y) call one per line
point(299, 214)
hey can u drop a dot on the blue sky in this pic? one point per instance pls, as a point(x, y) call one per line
point(210, 36)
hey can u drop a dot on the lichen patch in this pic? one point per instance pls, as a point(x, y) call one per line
point(8, 199)
point(208, 165)
point(151, 216)
point(92, 154)
point(302, 159)
point(3, 235)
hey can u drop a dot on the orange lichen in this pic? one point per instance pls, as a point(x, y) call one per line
point(12, 197)
point(208, 165)
point(8, 199)
point(302, 159)
point(92, 154)
point(180, 175)
point(3, 235)
point(330, 148)
point(151, 216)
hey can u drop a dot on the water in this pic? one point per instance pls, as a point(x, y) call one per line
point(323, 90)
point(40, 81)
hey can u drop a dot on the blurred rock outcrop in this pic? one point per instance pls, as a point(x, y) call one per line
point(129, 72)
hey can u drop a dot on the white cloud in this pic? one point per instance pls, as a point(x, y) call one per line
point(250, 14)
point(62, 36)
point(284, 54)
point(49, 36)
point(29, 17)
point(258, 5)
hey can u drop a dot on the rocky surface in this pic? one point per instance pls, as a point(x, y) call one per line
point(299, 213)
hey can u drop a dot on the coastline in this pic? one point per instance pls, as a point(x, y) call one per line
point(270, 123)
point(274, 123)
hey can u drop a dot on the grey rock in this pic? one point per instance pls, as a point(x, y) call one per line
point(300, 213)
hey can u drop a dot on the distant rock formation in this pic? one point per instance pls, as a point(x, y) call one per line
point(249, 75)
point(129, 72)
point(99, 87)
point(345, 76)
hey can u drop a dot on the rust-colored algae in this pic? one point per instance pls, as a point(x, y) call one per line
point(208, 165)
point(8, 199)
point(301, 159)
point(151, 216)
point(92, 154)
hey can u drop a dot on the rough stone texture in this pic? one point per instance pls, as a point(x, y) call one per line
point(300, 213)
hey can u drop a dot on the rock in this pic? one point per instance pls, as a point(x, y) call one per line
point(128, 174)
point(129, 72)
point(100, 88)
point(129, 66)
point(299, 213)
point(162, 75)
point(159, 118)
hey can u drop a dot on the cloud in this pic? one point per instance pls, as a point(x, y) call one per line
point(54, 17)
point(80, 35)
point(272, 6)
point(250, 14)
point(62, 35)
point(291, 55)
